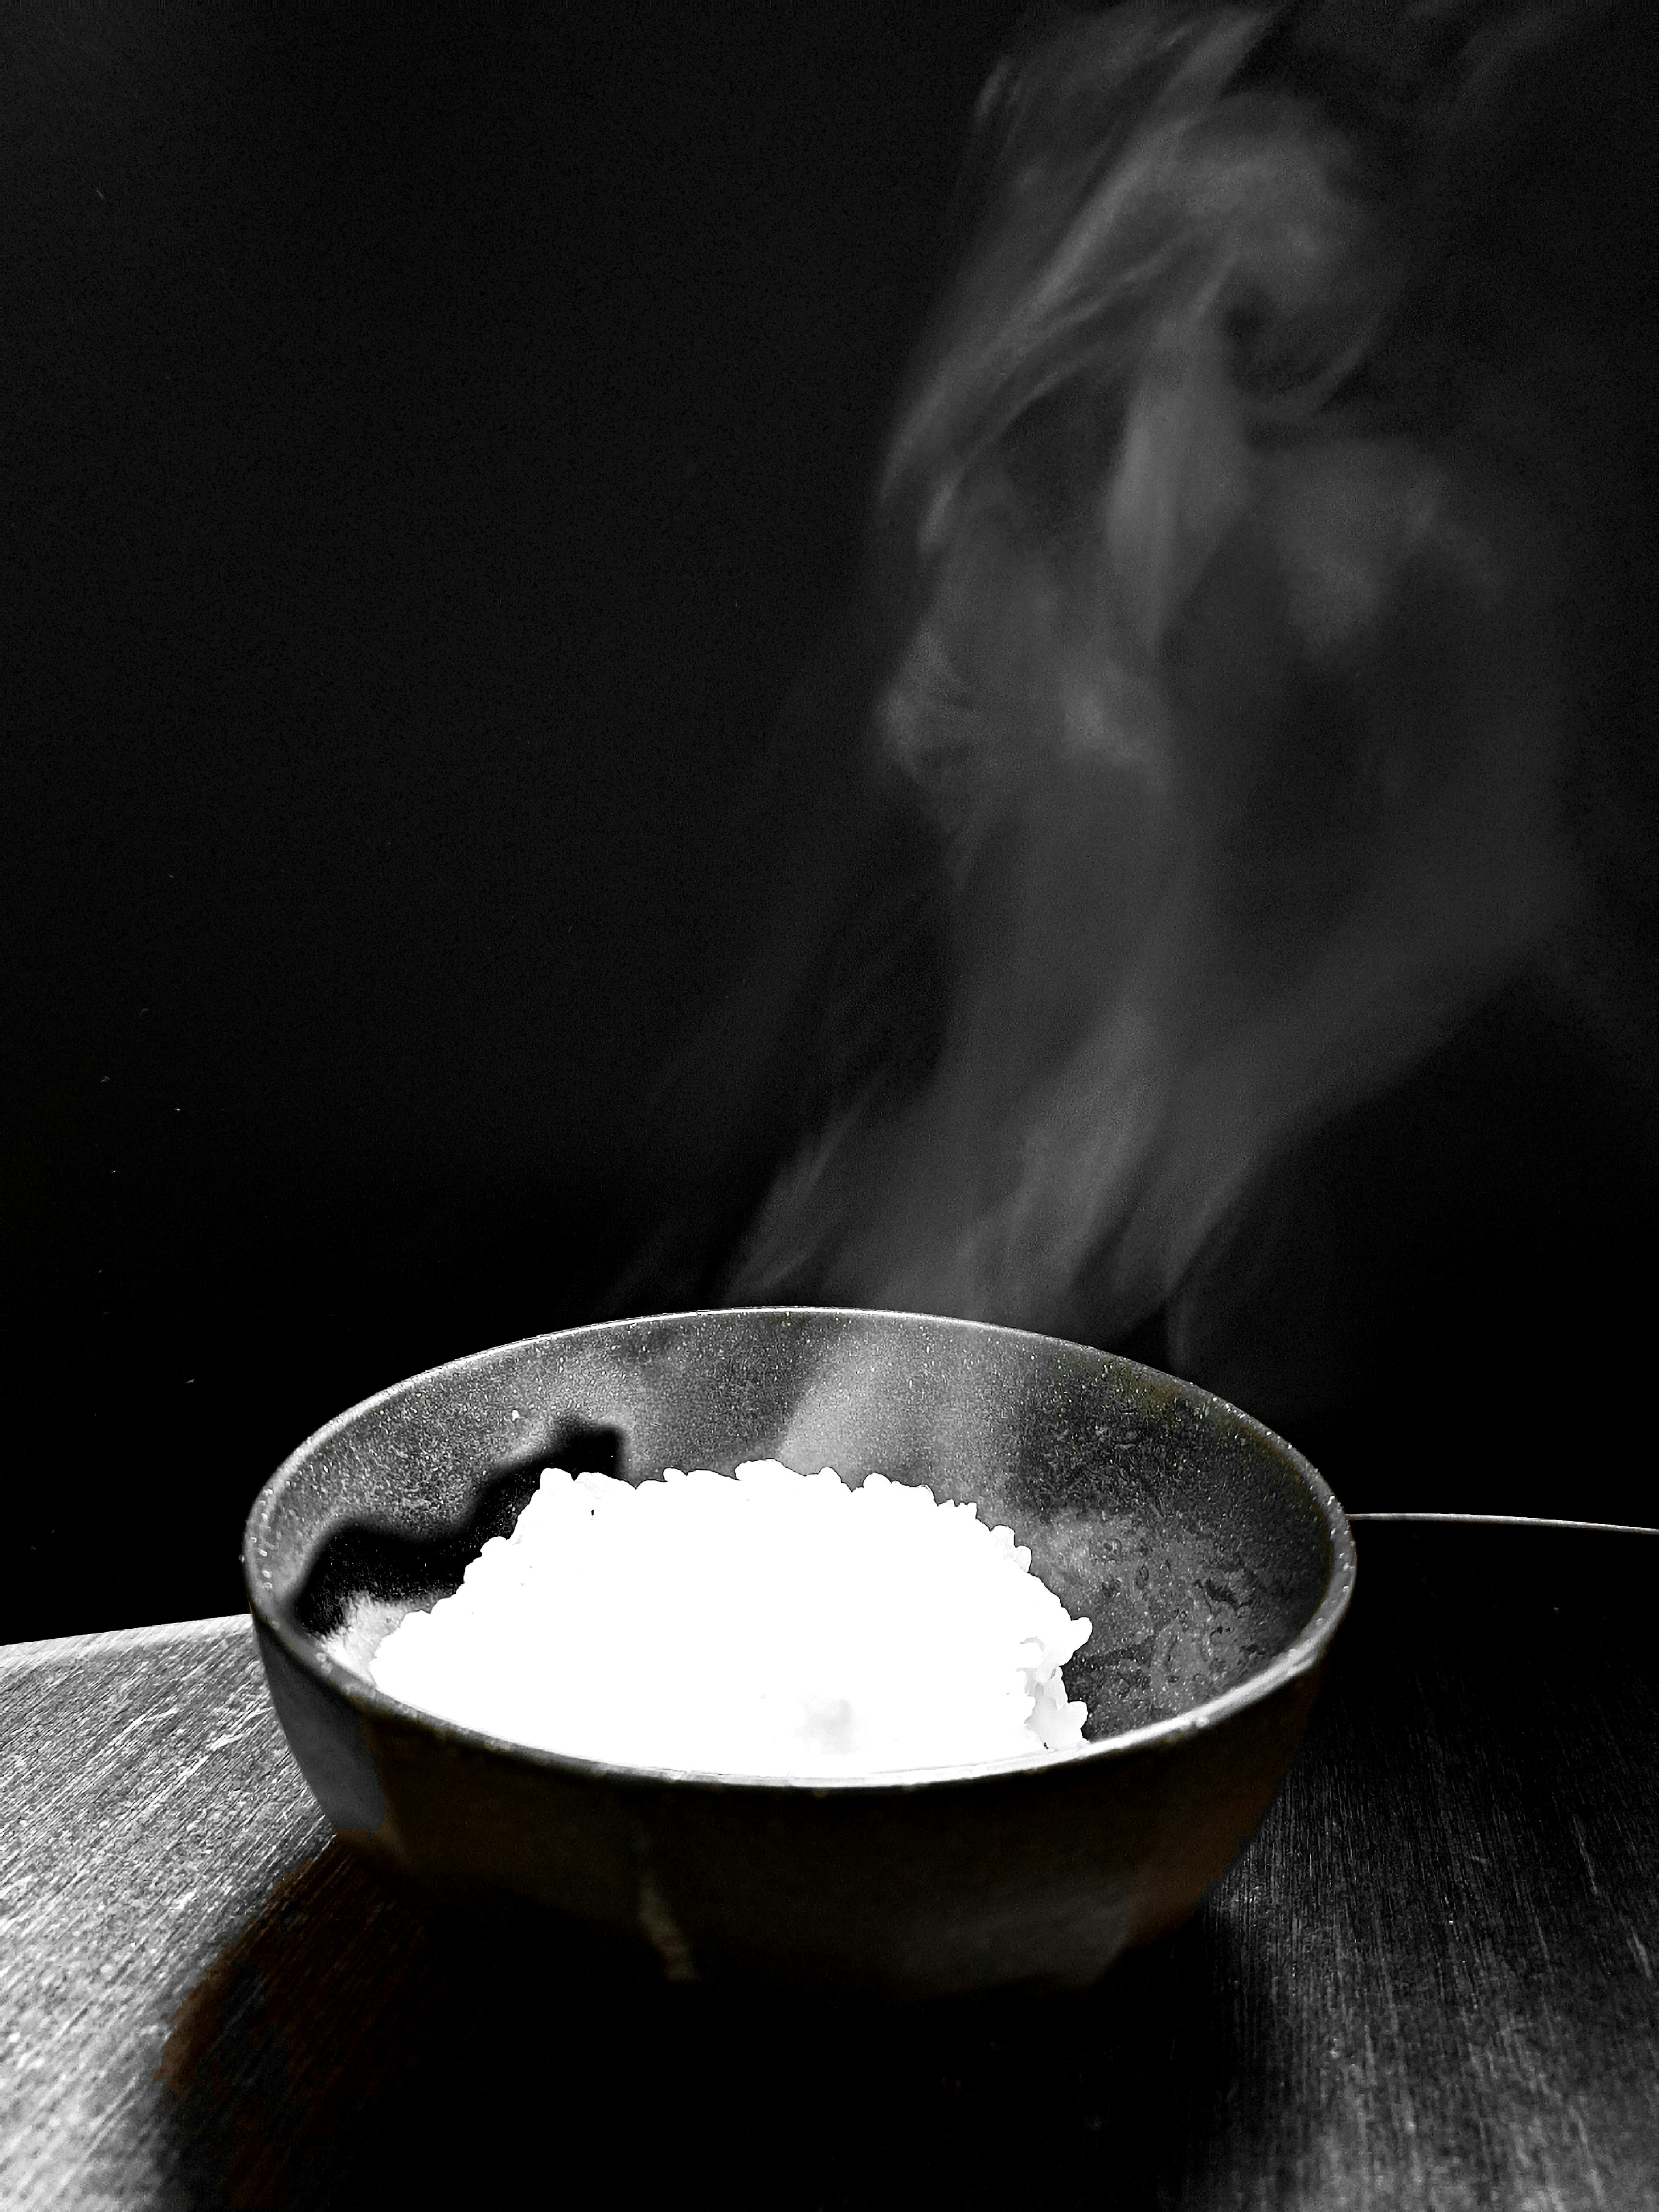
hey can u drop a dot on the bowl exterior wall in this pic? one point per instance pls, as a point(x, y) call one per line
point(1039, 1878)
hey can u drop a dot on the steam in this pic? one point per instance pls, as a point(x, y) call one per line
point(1224, 667)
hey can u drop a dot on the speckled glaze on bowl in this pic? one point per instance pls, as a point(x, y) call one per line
point(1213, 1562)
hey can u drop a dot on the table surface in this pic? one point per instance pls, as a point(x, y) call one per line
point(1430, 1981)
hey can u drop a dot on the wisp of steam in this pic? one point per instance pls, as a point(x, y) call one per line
point(1219, 557)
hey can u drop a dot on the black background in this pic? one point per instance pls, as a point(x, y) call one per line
point(435, 441)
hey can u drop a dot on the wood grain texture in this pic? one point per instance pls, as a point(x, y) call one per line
point(1431, 1982)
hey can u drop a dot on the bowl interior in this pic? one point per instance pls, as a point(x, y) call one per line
point(1198, 1544)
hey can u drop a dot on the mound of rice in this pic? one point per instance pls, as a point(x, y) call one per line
point(765, 1624)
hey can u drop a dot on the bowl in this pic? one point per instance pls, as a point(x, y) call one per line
point(1213, 1562)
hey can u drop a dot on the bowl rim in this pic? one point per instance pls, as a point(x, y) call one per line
point(1303, 1656)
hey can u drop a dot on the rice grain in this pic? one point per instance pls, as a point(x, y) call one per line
point(765, 1624)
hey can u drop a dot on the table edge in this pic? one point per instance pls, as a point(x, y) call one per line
point(103, 1643)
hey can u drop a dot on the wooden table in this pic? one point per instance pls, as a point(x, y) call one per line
point(1433, 1980)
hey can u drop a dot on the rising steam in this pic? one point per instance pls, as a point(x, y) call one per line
point(1225, 659)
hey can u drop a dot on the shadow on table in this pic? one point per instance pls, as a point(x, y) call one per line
point(336, 2051)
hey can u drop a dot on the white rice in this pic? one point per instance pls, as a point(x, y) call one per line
point(769, 1624)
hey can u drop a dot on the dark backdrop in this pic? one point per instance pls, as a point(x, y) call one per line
point(435, 436)
point(435, 439)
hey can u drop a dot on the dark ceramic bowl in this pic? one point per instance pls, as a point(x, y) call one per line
point(1213, 1562)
